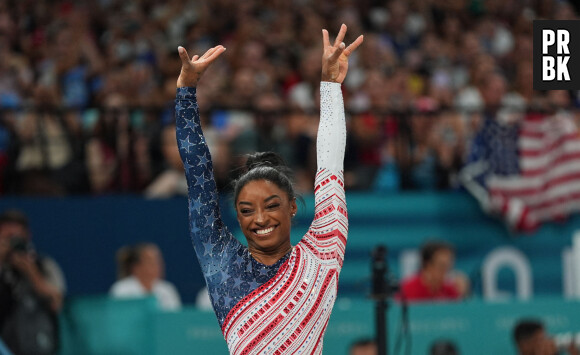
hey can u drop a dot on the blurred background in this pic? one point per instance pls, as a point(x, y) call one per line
point(447, 142)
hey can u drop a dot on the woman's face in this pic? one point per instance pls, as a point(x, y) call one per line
point(265, 214)
point(439, 266)
point(150, 265)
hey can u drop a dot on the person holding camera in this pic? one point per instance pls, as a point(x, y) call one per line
point(31, 290)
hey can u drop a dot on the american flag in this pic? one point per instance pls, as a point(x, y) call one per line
point(527, 172)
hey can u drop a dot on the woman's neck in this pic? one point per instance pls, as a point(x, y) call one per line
point(147, 283)
point(269, 257)
point(430, 282)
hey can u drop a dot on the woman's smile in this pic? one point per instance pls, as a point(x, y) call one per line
point(265, 216)
point(265, 231)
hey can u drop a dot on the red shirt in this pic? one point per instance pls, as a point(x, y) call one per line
point(414, 289)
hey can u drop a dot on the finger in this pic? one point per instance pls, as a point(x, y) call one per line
point(216, 53)
point(194, 58)
point(208, 53)
point(340, 36)
point(354, 45)
point(337, 53)
point(211, 51)
point(183, 55)
point(325, 41)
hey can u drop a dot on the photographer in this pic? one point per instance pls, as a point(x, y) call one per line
point(31, 290)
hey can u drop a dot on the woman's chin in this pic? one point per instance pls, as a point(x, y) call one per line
point(267, 245)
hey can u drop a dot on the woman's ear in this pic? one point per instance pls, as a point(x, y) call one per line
point(293, 207)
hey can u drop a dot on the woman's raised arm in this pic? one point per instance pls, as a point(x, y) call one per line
point(330, 225)
point(213, 243)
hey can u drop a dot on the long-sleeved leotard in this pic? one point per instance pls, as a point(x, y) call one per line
point(281, 308)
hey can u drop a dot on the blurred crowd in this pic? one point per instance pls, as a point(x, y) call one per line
point(87, 87)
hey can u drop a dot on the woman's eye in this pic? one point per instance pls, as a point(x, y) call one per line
point(245, 211)
point(274, 205)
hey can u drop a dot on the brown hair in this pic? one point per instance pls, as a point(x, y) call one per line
point(430, 248)
point(128, 256)
point(14, 216)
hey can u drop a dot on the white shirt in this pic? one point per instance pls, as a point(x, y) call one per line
point(165, 293)
point(202, 301)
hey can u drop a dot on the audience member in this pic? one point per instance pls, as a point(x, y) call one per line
point(202, 300)
point(431, 283)
point(117, 153)
point(141, 273)
point(171, 182)
point(443, 347)
point(76, 56)
point(363, 347)
point(32, 287)
point(531, 338)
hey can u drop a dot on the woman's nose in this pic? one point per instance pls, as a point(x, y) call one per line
point(261, 217)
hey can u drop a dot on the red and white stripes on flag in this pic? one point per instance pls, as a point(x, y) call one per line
point(548, 184)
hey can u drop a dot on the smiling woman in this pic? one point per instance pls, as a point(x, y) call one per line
point(265, 204)
point(269, 297)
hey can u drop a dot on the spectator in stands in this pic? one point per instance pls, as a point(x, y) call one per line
point(103, 150)
point(74, 55)
point(117, 155)
point(300, 136)
point(449, 145)
point(171, 182)
point(363, 347)
point(49, 156)
point(420, 158)
point(531, 338)
point(32, 287)
point(431, 283)
point(15, 74)
point(70, 73)
point(141, 273)
point(443, 347)
point(9, 146)
point(202, 300)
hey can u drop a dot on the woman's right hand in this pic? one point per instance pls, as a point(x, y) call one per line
point(192, 69)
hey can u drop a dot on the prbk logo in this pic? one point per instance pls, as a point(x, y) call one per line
point(556, 55)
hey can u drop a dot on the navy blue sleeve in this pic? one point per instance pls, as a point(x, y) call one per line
point(214, 245)
point(229, 270)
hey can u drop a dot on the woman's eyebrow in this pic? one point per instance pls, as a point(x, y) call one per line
point(271, 197)
point(265, 200)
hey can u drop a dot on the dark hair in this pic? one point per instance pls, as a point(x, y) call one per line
point(14, 216)
point(526, 328)
point(430, 248)
point(266, 166)
point(443, 347)
point(129, 256)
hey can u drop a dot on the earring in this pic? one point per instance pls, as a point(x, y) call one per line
point(293, 214)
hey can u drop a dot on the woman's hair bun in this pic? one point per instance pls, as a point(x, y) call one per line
point(267, 166)
point(265, 159)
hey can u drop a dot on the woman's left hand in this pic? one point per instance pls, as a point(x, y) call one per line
point(192, 69)
point(335, 57)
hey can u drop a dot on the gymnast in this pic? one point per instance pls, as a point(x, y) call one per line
point(269, 297)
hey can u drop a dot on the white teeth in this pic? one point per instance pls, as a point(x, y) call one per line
point(264, 231)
